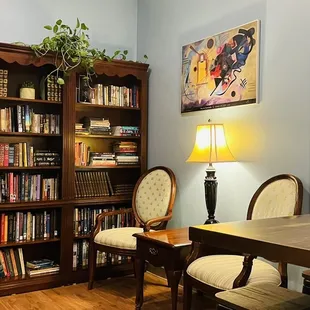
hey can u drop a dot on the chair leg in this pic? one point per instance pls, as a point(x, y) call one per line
point(187, 292)
point(92, 264)
point(134, 266)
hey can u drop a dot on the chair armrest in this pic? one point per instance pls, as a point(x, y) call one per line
point(149, 223)
point(100, 217)
point(245, 273)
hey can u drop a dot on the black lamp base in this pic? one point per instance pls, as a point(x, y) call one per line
point(210, 194)
point(211, 221)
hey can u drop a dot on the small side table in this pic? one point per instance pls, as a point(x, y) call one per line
point(168, 248)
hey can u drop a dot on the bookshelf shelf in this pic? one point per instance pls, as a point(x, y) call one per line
point(33, 205)
point(117, 199)
point(108, 137)
point(29, 134)
point(85, 168)
point(27, 283)
point(21, 100)
point(31, 168)
point(22, 243)
point(86, 106)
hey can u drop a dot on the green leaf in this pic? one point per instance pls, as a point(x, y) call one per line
point(77, 23)
point(48, 27)
point(125, 52)
point(55, 29)
point(84, 27)
point(60, 81)
point(145, 57)
point(59, 22)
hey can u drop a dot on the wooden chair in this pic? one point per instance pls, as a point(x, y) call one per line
point(262, 297)
point(152, 204)
point(279, 196)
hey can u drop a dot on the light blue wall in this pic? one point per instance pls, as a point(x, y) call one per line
point(268, 139)
point(112, 23)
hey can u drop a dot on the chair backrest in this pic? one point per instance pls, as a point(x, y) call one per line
point(154, 195)
point(279, 196)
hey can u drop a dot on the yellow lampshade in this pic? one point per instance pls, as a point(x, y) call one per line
point(210, 145)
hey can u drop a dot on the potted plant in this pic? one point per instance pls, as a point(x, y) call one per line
point(72, 49)
point(27, 91)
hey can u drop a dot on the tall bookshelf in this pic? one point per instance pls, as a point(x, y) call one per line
point(23, 65)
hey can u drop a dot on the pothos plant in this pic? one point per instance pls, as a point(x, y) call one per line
point(72, 49)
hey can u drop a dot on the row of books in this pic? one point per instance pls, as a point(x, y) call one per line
point(92, 184)
point(113, 95)
point(23, 155)
point(123, 189)
point(12, 263)
point(94, 126)
point(125, 153)
point(80, 256)
point(84, 220)
point(27, 226)
point(21, 118)
point(25, 187)
point(53, 89)
point(4, 82)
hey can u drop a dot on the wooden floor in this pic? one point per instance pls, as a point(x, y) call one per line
point(107, 295)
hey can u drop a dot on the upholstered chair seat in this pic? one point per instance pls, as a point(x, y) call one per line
point(279, 196)
point(152, 204)
point(220, 271)
point(120, 238)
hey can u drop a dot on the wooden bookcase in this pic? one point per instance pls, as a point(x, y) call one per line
point(23, 65)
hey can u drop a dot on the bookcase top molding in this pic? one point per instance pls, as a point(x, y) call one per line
point(24, 55)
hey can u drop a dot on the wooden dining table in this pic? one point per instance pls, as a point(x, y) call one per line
point(285, 239)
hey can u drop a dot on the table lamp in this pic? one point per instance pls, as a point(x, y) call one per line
point(210, 147)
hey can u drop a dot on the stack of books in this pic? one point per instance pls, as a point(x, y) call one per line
point(41, 267)
point(46, 158)
point(123, 189)
point(101, 159)
point(80, 130)
point(97, 126)
point(126, 131)
point(126, 153)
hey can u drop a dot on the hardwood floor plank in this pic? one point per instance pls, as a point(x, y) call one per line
point(112, 294)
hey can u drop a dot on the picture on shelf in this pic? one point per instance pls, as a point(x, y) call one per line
point(221, 70)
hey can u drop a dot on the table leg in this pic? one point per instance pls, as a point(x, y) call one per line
point(139, 269)
point(174, 279)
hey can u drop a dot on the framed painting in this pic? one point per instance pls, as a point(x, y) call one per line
point(221, 70)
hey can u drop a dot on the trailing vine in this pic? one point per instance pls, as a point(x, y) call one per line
point(72, 49)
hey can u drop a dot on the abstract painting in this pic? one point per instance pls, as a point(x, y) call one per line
point(221, 70)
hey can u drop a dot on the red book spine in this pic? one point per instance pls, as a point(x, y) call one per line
point(6, 155)
point(1, 154)
point(2, 227)
point(11, 187)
